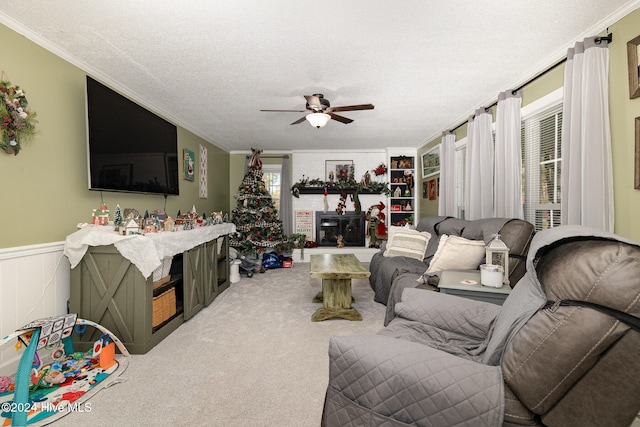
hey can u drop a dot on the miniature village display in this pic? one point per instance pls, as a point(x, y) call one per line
point(131, 222)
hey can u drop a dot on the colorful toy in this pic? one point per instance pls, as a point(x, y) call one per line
point(5, 382)
point(62, 377)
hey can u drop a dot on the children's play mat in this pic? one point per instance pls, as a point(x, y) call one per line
point(52, 379)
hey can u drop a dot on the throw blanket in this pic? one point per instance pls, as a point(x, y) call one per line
point(145, 252)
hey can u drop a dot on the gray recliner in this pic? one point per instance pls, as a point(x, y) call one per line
point(446, 360)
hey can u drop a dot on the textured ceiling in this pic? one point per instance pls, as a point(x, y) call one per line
point(211, 65)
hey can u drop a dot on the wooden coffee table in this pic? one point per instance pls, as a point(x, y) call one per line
point(336, 272)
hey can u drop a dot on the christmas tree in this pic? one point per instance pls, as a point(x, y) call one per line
point(258, 227)
point(117, 217)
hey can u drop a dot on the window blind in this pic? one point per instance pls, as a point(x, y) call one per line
point(542, 167)
point(461, 159)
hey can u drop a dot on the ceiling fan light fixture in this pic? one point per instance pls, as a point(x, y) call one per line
point(318, 120)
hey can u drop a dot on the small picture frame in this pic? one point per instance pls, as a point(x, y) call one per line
point(432, 189)
point(633, 59)
point(431, 162)
point(189, 164)
point(337, 170)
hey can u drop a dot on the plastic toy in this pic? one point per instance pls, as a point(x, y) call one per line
point(50, 373)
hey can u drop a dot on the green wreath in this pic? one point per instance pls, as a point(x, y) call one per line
point(17, 123)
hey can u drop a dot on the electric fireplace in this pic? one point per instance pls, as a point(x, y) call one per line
point(330, 225)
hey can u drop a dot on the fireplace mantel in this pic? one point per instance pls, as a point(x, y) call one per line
point(320, 190)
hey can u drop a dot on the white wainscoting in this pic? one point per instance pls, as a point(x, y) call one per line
point(34, 283)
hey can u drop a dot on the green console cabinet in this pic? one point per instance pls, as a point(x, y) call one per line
point(107, 288)
point(194, 278)
point(217, 265)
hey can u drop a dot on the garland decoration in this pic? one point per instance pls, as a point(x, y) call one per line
point(17, 123)
point(349, 186)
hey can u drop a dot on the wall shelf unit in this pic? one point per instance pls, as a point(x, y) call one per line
point(402, 202)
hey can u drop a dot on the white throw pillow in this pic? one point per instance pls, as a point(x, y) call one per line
point(457, 253)
point(403, 241)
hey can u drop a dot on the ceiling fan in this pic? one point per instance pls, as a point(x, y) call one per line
point(320, 111)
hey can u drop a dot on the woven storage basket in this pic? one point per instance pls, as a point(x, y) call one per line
point(164, 306)
point(169, 304)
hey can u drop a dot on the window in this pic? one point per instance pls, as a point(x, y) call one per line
point(542, 167)
point(541, 142)
point(271, 178)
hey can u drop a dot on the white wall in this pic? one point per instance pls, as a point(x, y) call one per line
point(311, 164)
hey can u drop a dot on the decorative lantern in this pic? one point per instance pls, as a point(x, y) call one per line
point(498, 254)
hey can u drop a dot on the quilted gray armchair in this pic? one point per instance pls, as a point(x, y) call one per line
point(561, 351)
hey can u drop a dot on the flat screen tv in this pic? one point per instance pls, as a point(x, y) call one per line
point(129, 148)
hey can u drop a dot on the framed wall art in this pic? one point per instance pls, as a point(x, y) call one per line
point(432, 189)
point(633, 58)
point(189, 164)
point(431, 162)
point(337, 170)
point(204, 183)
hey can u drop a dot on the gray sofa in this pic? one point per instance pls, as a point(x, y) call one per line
point(403, 272)
point(539, 359)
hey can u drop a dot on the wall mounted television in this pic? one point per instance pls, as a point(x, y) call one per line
point(129, 148)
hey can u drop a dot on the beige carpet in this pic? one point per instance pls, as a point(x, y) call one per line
point(252, 358)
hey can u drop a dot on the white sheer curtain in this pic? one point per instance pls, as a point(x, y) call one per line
point(508, 167)
point(447, 200)
point(286, 204)
point(479, 167)
point(587, 174)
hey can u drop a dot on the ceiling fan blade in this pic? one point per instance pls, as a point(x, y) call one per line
point(351, 107)
point(284, 111)
point(341, 119)
point(313, 101)
point(300, 120)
